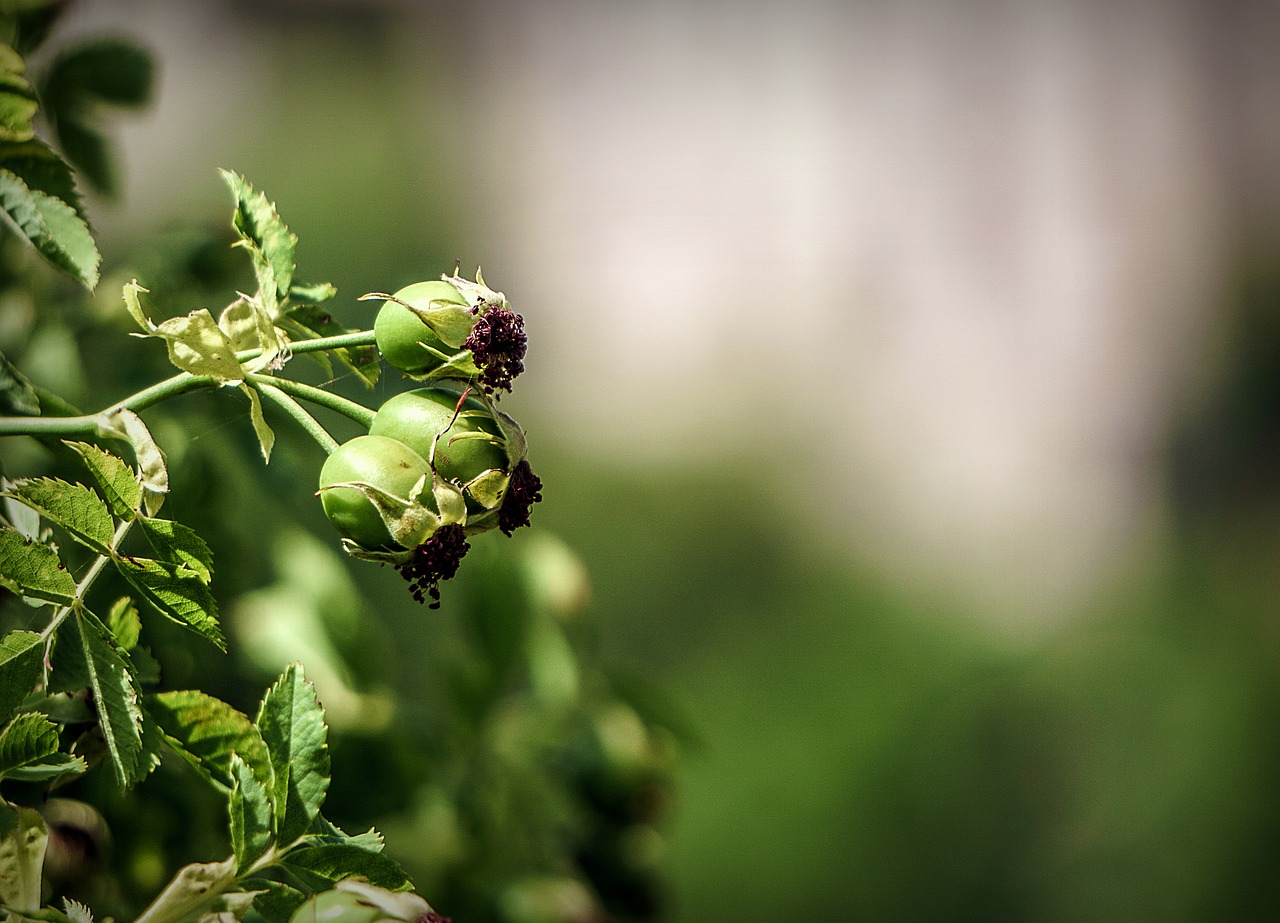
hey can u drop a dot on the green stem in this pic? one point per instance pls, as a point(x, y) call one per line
point(87, 424)
point(342, 341)
point(358, 412)
point(82, 590)
point(300, 415)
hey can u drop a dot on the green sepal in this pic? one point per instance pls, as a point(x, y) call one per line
point(409, 522)
point(76, 911)
point(488, 488)
point(49, 914)
point(458, 367)
point(377, 555)
point(479, 296)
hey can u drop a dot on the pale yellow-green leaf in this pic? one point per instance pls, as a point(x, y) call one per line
point(198, 345)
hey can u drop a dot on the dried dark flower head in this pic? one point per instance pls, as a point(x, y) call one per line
point(434, 560)
point(524, 490)
point(497, 341)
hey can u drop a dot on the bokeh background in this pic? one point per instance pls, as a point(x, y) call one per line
point(907, 377)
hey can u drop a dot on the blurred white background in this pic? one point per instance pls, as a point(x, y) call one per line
point(942, 273)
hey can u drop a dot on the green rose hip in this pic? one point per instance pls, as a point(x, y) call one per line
point(385, 465)
point(404, 338)
point(467, 446)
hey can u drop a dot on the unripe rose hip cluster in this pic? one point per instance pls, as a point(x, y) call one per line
point(440, 462)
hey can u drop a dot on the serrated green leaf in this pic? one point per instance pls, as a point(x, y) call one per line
point(198, 345)
point(31, 568)
point(321, 866)
point(153, 742)
point(54, 227)
point(17, 394)
point(266, 436)
point(51, 767)
point(250, 812)
point(42, 170)
point(269, 242)
point(29, 751)
point(276, 902)
point(21, 653)
point(324, 830)
point(23, 837)
point(116, 695)
point(205, 732)
point(179, 544)
point(73, 506)
point(116, 477)
point(292, 725)
point(176, 591)
point(194, 889)
point(28, 738)
point(124, 622)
